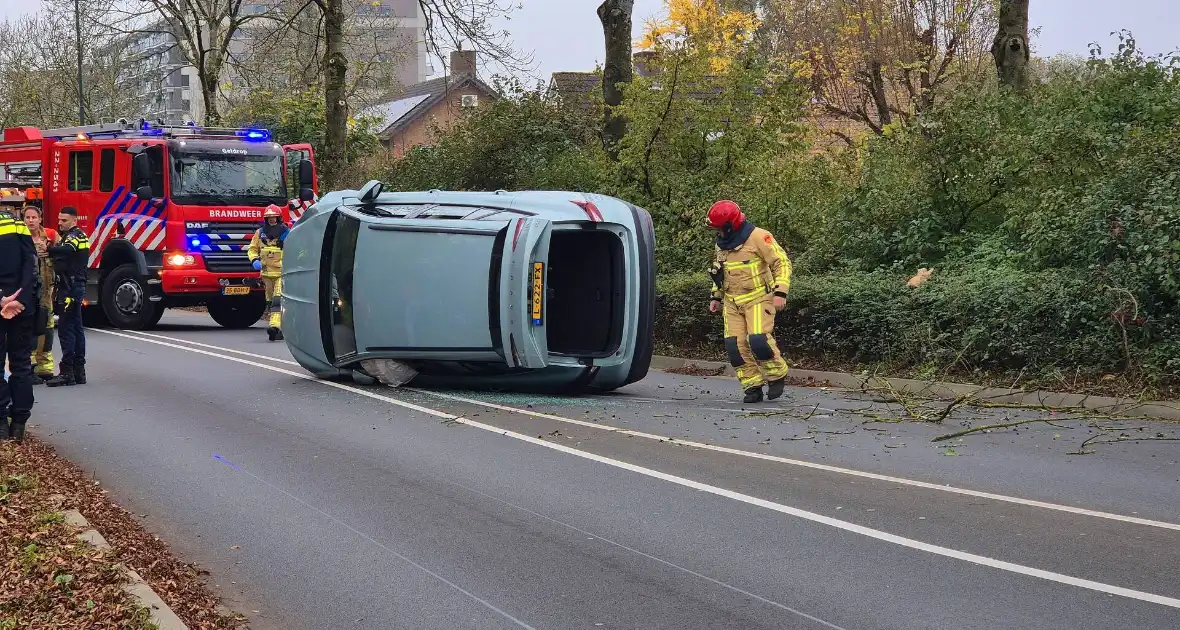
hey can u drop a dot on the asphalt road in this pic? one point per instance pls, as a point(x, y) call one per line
point(334, 506)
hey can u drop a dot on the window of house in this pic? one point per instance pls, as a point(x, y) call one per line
point(106, 170)
point(81, 172)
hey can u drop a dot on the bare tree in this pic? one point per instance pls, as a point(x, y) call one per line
point(1010, 47)
point(877, 61)
point(204, 31)
point(615, 16)
point(449, 23)
point(39, 72)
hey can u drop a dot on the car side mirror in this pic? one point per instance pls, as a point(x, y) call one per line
point(144, 193)
point(370, 192)
point(306, 194)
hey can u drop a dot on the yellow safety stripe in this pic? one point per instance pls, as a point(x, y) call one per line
point(757, 328)
point(775, 369)
point(8, 226)
point(749, 376)
point(784, 277)
point(746, 298)
point(79, 244)
point(756, 274)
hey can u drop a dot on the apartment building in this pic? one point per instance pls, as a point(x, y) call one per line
point(384, 37)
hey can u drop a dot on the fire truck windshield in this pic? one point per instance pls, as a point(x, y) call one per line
point(207, 178)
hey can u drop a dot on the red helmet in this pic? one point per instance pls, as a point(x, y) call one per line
point(272, 211)
point(726, 213)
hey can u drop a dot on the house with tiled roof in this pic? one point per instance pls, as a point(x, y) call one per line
point(409, 116)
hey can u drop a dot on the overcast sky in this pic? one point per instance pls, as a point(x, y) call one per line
point(566, 35)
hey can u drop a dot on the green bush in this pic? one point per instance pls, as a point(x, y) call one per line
point(987, 319)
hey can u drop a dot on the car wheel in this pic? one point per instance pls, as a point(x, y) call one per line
point(241, 312)
point(124, 299)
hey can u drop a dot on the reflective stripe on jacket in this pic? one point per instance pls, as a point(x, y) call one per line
point(269, 251)
point(753, 271)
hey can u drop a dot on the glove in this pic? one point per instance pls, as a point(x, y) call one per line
point(257, 265)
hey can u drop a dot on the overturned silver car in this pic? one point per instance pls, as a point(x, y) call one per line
point(528, 291)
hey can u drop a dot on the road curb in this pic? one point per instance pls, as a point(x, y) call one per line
point(137, 588)
point(1164, 410)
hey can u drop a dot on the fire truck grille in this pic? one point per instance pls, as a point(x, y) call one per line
point(222, 245)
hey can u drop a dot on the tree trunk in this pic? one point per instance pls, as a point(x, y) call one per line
point(333, 159)
point(1010, 47)
point(209, 85)
point(615, 16)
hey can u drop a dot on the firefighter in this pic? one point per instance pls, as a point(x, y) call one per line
point(18, 306)
point(751, 276)
point(43, 238)
point(71, 257)
point(266, 254)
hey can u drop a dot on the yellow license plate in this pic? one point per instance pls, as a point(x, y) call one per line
point(538, 291)
point(235, 290)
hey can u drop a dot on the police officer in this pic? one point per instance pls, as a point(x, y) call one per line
point(18, 312)
point(266, 254)
point(71, 258)
point(751, 276)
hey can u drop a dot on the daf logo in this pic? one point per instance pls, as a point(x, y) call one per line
point(236, 151)
point(196, 226)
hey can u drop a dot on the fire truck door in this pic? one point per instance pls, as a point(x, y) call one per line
point(83, 176)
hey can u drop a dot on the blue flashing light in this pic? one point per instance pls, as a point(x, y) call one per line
point(196, 242)
point(255, 135)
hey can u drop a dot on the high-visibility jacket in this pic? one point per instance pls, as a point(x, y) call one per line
point(754, 271)
point(71, 257)
point(269, 250)
point(18, 260)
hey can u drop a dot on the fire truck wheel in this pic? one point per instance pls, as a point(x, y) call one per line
point(242, 312)
point(124, 299)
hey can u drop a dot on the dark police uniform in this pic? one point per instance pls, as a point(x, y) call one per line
point(18, 270)
point(71, 259)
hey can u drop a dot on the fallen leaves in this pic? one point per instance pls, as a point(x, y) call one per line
point(50, 579)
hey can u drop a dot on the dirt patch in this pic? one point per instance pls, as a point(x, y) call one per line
point(52, 580)
point(693, 369)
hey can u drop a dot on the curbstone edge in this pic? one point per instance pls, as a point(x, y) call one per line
point(161, 614)
point(1164, 410)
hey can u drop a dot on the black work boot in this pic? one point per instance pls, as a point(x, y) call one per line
point(80, 373)
point(65, 378)
point(272, 333)
point(5, 428)
point(16, 431)
point(753, 395)
point(775, 388)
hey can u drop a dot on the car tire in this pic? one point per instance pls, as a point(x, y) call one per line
point(238, 312)
point(124, 299)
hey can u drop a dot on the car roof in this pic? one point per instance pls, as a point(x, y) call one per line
point(550, 204)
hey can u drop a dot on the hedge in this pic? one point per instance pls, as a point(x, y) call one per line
point(985, 319)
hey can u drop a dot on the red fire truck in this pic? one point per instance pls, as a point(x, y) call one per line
point(170, 210)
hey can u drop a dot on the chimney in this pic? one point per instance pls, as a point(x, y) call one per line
point(462, 63)
point(645, 63)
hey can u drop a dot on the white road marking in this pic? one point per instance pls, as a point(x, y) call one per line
point(715, 490)
point(751, 454)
